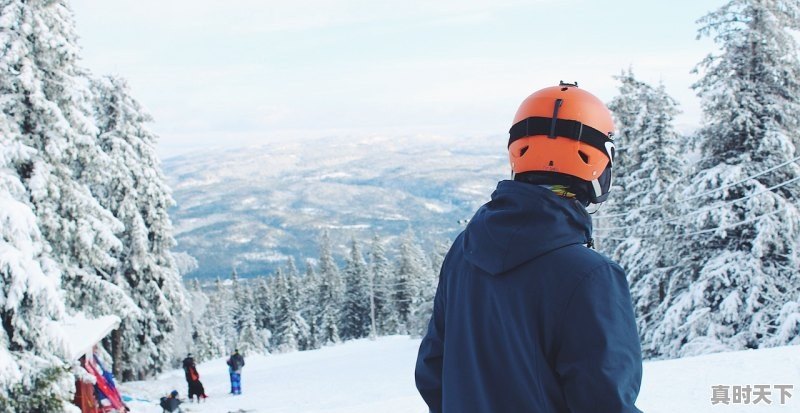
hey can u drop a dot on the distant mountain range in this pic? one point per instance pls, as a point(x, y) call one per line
point(251, 208)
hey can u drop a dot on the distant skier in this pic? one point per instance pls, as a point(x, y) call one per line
point(527, 317)
point(235, 364)
point(193, 379)
point(171, 403)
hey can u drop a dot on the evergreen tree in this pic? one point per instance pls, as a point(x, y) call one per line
point(283, 337)
point(427, 290)
point(221, 316)
point(291, 330)
point(46, 106)
point(740, 261)
point(788, 322)
point(33, 376)
point(46, 141)
point(645, 204)
point(264, 305)
point(113, 258)
point(356, 309)
point(329, 296)
point(238, 307)
point(439, 252)
point(630, 117)
point(383, 282)
point(206, 344)
point(131, 186)
point(309, 293)
point(411, 278)
point(296, 296)
point(251, 339)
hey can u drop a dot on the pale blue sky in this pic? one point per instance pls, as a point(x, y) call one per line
point(236, 72)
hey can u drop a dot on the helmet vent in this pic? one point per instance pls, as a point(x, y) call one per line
point(523, 150)
point(584, 157)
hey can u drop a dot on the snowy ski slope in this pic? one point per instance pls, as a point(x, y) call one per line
point(378, 377)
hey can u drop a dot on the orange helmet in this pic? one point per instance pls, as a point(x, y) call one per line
point(563, 135)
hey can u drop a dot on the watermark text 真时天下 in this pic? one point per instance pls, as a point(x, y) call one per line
point(751, 394)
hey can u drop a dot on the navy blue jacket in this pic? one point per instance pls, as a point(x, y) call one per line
point(527, 318)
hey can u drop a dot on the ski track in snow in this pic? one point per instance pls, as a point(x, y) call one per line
point(378, 376)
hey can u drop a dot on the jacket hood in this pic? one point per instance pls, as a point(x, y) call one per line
point(520, 223)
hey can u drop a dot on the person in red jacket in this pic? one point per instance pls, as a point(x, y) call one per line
point(193, 379)
point(527, 317)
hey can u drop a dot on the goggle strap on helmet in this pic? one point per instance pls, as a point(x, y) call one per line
point(598, 191)
point(553, 127)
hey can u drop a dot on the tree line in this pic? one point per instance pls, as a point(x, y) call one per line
point(371, 295)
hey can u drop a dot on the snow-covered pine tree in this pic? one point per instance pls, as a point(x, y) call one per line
point(264, 302)
point(788, 322)
point(329, 296)
point(629, 112)
point(309, 293)
point(220, 316)
point(356, 308)
point(251, 339)
point(386, 314)
point(284, 337)
point(411, 274)
point(440, 250)
point(740, 263)
point(645, 207)
point(45, 98)
point(234, 289)
point(291, 330)
point(132, 187)
point(33, 374)
point(297, 297)
point(427, 289)
point(205, 343)
point(237, 307)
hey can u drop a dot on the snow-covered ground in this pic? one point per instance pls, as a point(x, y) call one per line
point(378, 376)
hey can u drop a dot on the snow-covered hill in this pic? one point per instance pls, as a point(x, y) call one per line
point(377, 376)
point(253, 207)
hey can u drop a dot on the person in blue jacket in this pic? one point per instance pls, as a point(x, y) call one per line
point(527, 316)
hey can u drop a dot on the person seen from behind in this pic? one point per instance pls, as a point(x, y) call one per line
point(235, 364)
point(527, 316)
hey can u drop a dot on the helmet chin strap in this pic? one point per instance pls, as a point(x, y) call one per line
point(593, 208)
point(596, 187)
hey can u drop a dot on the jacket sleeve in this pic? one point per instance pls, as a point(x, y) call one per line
point(428, 372)
point(599, 359)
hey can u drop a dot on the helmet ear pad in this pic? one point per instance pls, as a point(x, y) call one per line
point(604, 185)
